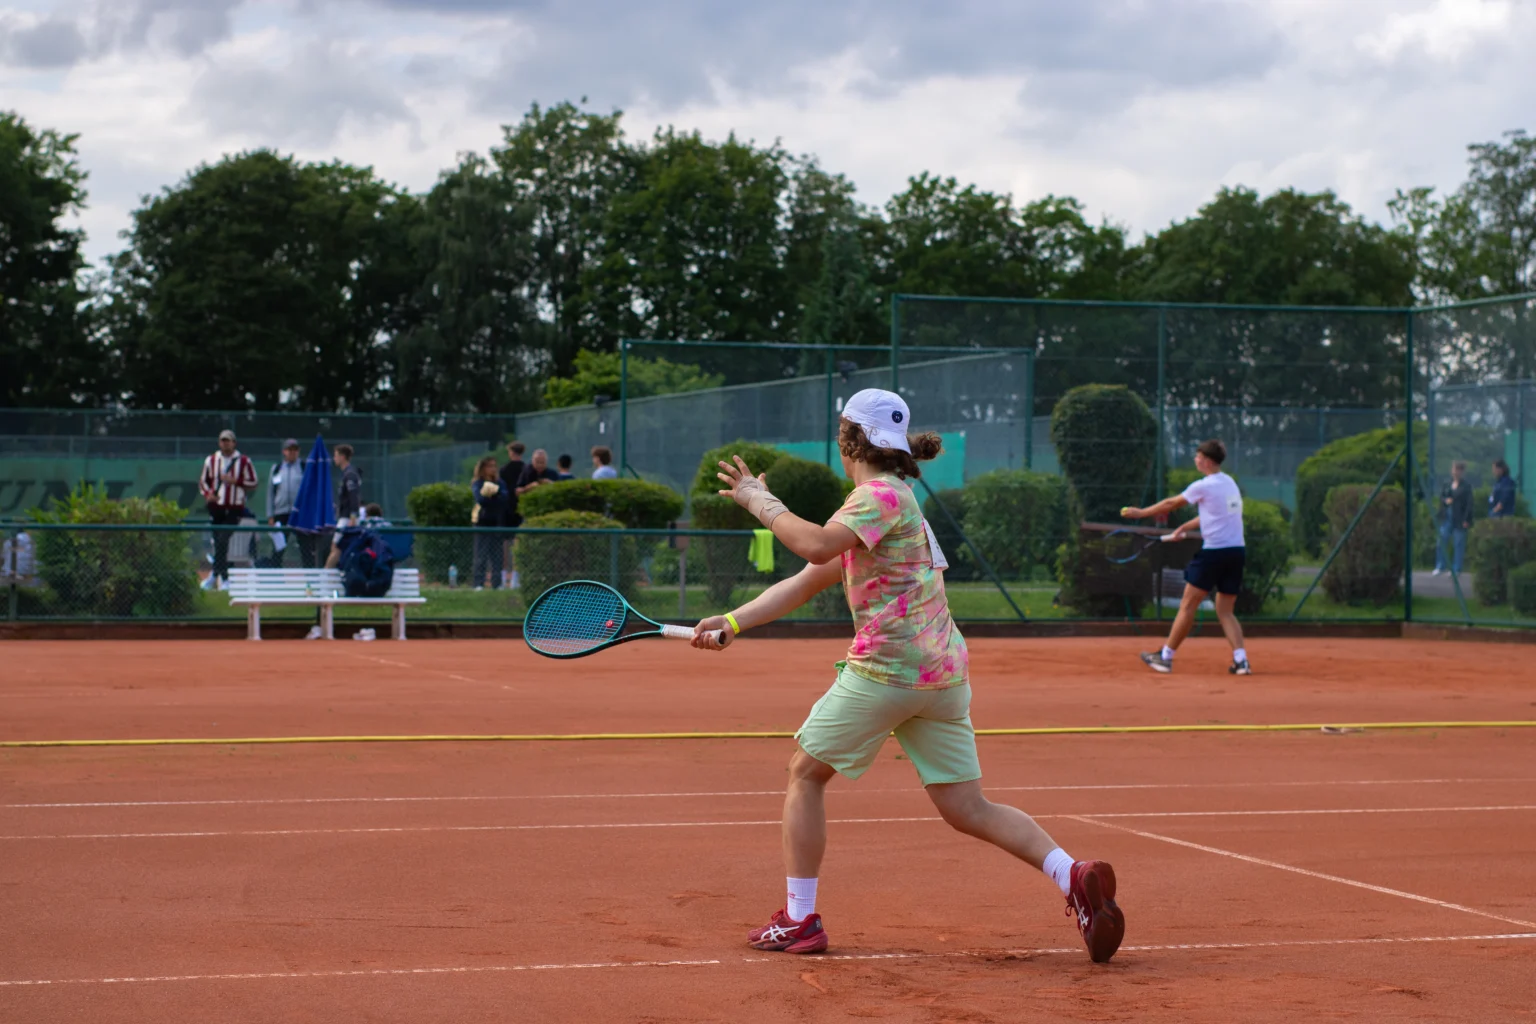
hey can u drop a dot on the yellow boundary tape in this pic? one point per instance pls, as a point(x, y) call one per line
point(1063, 730)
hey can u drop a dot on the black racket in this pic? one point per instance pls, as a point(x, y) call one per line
point(1125, 546)
point(571, 620)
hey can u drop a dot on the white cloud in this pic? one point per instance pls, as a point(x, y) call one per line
point(1140, 109)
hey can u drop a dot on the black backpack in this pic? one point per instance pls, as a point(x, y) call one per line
point(368, 567)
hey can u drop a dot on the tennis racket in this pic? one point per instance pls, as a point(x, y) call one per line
point(571, 620)
point(1125, 546)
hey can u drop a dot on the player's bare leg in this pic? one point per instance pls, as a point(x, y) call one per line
point(1227, 616)
point(1183, 622)
point(797, 928)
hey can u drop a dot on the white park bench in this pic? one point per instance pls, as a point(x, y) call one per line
point(321, 587)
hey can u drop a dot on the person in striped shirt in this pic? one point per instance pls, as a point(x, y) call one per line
point(226, 479)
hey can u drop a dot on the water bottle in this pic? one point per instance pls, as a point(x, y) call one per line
point(453, 575)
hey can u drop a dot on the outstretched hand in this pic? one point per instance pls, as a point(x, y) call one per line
point(739, 482)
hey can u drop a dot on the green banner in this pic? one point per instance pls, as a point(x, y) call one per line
point(26, 484)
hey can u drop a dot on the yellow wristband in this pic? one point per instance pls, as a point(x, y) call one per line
point(735, 626)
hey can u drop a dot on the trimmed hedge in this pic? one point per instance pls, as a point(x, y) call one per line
point(1494, 548)
point(442, 504)
point(1522, 589)
point(549, 558)
point(638, 504)
point(110, 573)
point(758, 457)
point(1267, 542)
point(725, 558)
point(1370, 565)
point(1016, 518)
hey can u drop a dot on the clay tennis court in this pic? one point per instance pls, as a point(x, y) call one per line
point(1379, 875)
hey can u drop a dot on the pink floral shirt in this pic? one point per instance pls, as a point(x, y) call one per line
point(905, 636)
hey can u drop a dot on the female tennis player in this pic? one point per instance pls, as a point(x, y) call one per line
point(907, 672)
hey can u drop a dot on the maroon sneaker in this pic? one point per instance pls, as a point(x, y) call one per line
point(1092, 901)
point(782, 935)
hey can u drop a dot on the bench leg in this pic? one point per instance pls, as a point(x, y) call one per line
point(328, 622)
point(253, 622)
point(399, 623)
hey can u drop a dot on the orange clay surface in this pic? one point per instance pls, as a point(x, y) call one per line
point(1265, 877)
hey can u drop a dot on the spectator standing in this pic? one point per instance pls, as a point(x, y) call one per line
point(226, 479)
point(490, 513)
point(282, 495)
point(536, 473)
point(602, 464)
point(1455, 519)
point(511, 476)
point(349, 490)
point(1501, 502)
point(563, 468)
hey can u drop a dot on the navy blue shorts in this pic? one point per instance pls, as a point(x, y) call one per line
point(1216, 569)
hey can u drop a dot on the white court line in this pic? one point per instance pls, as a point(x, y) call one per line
point(507, 968)
point(555, 827)
point(1091, 820)
point(1108, 787)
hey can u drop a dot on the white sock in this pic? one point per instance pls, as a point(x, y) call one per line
point(1240, 655)
point(1058, 864)
point(802, 898)
point(1167, 653)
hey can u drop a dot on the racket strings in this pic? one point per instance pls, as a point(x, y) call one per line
point(573, 619)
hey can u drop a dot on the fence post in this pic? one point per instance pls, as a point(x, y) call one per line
point(831, 421)
point(1029, 410)
point(613, 558)
point(896, 343)
point(623, 403)
point(682, 583)
point(1162, 408)
point(1410, 478)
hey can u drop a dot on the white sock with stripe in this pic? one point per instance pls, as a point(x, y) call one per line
point(802, 898)
point(1058, 865)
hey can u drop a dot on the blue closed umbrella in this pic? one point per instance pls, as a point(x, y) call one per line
point(315, 508)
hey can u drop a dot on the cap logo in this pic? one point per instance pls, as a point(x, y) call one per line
point(896, 416)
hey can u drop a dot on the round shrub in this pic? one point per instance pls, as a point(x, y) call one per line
point(808, 489)
point(1266, 537)
point(758, 457)
point(1016, 518)
point(638, 504)
point(115, 573)
point(1522, 589)
point(1358, 459)
point(1370, 565)
point(725, 565)
point(1494, 547)
point(596, 553)
point(442, 505)
point(1106, 445)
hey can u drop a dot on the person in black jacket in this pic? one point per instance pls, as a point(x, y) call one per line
point(511, 477)
point(1455, 519)
point(490, 513)
point(1501, 502)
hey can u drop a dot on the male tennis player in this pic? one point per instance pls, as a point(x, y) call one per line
point(907, 672)
point(1219, 564)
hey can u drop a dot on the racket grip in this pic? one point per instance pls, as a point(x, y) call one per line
point(685, 633)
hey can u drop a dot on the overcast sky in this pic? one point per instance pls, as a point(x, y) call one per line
point(1140, 108)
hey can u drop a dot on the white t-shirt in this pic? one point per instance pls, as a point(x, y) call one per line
point(605, 473)
point(1220, 504)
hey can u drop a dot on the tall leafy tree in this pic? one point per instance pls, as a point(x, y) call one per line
point(567, 167)
point(46, 356)
point(695, 250)
point(477, 343)
point(261, 282)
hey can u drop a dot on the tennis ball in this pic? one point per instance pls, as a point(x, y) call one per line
point(608, 624)
point(1125, 510)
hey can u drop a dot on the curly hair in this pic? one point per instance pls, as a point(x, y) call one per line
point(854, 443)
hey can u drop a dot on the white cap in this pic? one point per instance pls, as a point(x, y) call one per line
point(883, 415)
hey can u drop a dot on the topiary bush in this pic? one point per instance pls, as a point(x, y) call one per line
point(1522, 589)
point(1494, 547)
point(1016, 518)
point(1358, 459)
point(758, 457)
point(544, 559)
point(808, 489)
point(1370, 565)
point(115, 573)
point(442, 504)
point(1106, 445)
point(638, 504)
point(725, 560)
point(1267, 543)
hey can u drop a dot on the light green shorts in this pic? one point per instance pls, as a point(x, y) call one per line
point(848, 725)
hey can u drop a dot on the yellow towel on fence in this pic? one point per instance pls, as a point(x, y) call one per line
point(761, 551)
